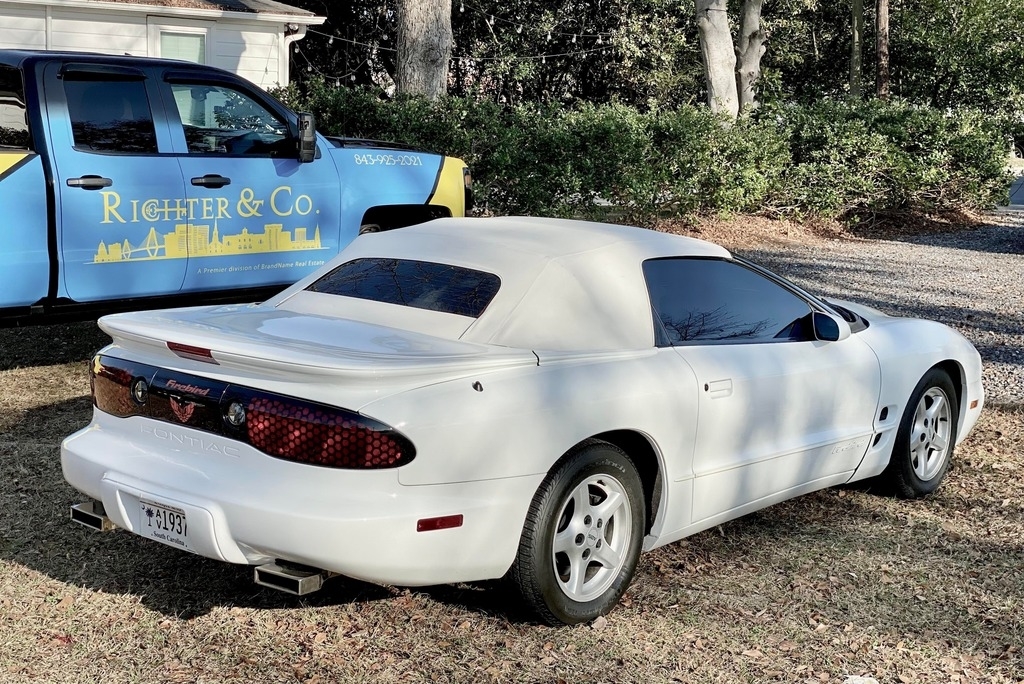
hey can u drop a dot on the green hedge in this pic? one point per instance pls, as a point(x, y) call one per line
point(880, 156)
point(832, 158)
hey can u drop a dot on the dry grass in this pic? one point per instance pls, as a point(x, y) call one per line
point(837, 583)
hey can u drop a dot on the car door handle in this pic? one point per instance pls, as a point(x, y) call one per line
point(211, 180)
point(717, 389)
point(90, 182)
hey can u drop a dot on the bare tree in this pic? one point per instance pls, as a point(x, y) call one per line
point(857, 51)
point(731, 72)
point(882, 48)
point(718, 55)
point(749, 50)
point(424, 47)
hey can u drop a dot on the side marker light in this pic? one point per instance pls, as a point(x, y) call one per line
point(442, 523)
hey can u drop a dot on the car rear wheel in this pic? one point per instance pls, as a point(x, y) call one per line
point(926, 437)
point(582, 535)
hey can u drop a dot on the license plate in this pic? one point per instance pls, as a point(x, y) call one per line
point(164, 523)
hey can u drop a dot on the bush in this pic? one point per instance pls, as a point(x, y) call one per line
point(593, 161)
point(873, 156)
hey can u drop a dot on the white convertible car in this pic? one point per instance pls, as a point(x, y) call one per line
point(532, 398)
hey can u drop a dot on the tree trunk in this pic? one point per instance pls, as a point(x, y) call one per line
point(424, 47)
point(718, 55)
point(749, 49)
point(857, 51)
point(882, 48)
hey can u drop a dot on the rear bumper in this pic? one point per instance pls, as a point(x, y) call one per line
point(242, 506)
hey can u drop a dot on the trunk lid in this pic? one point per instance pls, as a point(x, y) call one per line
point(263, 341)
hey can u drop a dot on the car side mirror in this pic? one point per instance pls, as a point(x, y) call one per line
point(307, 137)
point(829, 328)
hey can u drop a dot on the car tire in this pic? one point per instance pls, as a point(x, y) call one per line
point(582, 536)
point(926, 438)
point(369, 228)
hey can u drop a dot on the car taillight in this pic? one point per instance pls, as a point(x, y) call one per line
point(111, 387)
point(300, 431)
point(278, 425)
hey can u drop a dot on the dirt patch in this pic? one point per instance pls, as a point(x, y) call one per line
point(738, 232)
point(745, 232)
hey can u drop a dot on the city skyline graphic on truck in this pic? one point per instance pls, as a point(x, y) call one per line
point(190, 239)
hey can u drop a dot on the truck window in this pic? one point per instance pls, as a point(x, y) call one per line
point(110, 116)
point(220, 120)
point(13, 119)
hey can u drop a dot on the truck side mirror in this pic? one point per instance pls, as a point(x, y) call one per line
point(307, 137)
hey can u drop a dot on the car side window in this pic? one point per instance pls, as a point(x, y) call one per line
point(110, 115)
point(13, 120)
point(220, 120)
point(715, 301)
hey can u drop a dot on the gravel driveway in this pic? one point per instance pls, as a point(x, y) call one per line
point(971, 280)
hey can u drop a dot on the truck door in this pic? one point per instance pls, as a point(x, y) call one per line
point(24, 260)
point(257, 216)
point(121, 222)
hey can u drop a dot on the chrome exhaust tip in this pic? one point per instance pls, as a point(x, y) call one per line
point(291, 578)
point(92, 515)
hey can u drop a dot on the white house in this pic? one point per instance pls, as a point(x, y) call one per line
point(251, 38)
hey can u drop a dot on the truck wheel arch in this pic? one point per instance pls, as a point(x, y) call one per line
point(391, 216)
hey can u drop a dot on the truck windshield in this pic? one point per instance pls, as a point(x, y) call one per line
point(13, 119)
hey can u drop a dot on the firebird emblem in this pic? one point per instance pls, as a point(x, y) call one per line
point(182, 409)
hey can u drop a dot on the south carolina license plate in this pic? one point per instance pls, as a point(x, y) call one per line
point(164, 523)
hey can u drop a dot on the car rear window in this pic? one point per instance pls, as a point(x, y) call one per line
point(419, 284)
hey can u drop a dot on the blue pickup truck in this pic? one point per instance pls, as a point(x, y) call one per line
point(129, 182)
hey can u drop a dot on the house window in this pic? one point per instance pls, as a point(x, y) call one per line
point(190, 47)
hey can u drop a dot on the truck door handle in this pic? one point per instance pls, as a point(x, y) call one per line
point(211, 180)
point(90, 182)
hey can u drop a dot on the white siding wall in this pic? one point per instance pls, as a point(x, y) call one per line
point(23, 27)
point(252, 50)
point(114, 34)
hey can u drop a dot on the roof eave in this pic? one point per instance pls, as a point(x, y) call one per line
point(184, 12)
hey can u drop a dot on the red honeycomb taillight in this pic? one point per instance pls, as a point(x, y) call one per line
point(278, 425)
point(308, 433)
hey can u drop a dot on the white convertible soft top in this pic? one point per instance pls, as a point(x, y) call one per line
point(565, 285)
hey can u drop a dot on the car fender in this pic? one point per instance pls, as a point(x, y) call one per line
point(906, 349)
point(520, 421)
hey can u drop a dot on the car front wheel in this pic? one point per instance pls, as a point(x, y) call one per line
point(582, 535)
point(926, 437)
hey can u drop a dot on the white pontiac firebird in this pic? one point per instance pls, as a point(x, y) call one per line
point(533, 398)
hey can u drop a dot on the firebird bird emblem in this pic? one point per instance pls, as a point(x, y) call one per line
point(182, 409)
